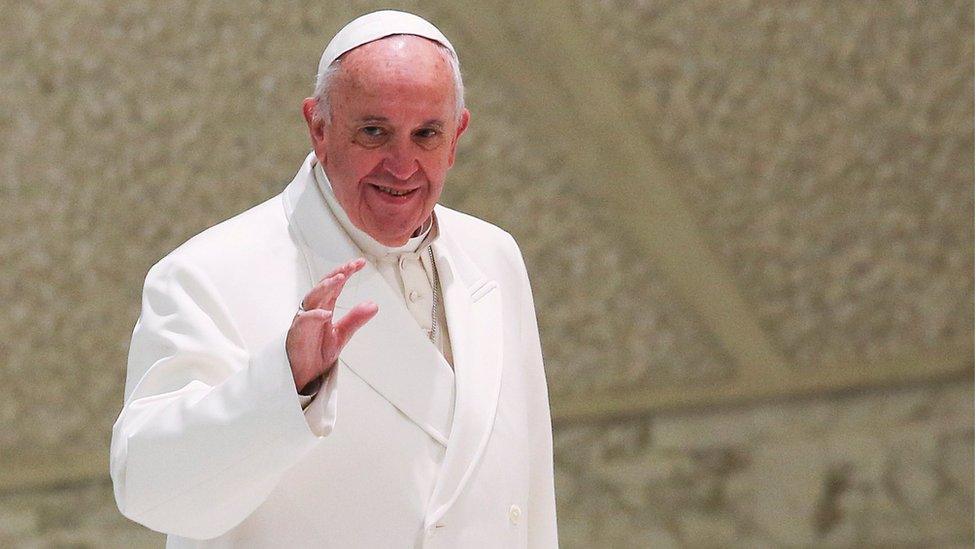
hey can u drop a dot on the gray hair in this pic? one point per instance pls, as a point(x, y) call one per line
point(324, 80)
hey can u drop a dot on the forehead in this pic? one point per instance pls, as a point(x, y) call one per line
point(404, 67)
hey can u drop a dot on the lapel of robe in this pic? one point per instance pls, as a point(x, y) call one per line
point(473, 311)
point(390, 353)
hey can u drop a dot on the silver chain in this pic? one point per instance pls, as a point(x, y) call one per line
point(436, 298)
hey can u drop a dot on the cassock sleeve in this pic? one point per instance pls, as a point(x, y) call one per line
point(541, 511)
point(208, 427)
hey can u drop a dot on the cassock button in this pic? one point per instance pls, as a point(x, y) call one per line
point(414, 296)
point(514, 513)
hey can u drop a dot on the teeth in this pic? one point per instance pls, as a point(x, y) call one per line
point(394, 192)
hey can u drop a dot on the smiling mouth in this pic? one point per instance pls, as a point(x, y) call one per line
point(393, 192)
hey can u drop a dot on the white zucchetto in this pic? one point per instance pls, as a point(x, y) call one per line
point(376, 25)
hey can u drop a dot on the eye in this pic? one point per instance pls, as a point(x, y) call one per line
point(426, 133)
point(429, 138)
point(372, 131)
point(371, 136)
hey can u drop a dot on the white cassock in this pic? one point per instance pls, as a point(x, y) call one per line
point(396, 450)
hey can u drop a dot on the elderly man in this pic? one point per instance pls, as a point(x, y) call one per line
point(404, 404)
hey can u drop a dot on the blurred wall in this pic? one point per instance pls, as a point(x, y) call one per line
point(749, 227)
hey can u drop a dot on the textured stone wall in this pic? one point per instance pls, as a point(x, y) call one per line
point(826, 155)
point(831, 147)
point(77, 516)
point(888, 469)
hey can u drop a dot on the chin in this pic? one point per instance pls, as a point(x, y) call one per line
point(391, 239)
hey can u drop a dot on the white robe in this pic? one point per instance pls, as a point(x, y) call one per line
point(396, 451)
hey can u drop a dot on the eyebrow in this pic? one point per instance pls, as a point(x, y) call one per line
point(371, 118)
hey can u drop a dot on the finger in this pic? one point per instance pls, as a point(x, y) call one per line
point(354, 320)
point(347, 268)
point(326, 292)
point(316, 316)
point(334, 290)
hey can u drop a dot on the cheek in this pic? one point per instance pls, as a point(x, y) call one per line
point(354, 165)
point(436, 164)
point(364, 164)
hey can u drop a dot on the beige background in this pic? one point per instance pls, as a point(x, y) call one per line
point(749, 227)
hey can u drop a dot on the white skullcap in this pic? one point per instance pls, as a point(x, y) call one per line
point(376, 25)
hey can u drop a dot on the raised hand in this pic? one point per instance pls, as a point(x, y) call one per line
point(314, 341)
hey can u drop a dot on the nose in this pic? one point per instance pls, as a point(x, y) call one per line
point(401, 162)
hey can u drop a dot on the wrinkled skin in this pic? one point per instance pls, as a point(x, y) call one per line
point(393, 124)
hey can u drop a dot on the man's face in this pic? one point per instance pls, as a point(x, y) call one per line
point(392, 134)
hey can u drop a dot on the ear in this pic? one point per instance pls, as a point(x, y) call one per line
point(462, 125)
point(316, 127)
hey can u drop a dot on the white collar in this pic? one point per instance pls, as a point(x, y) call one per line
point(369, 246)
